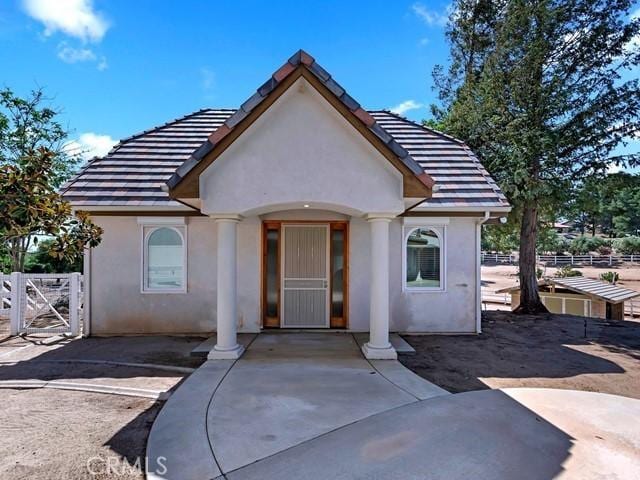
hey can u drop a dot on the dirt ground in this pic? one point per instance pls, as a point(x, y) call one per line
point(54, 434)
point(57, 434)
point(548, 351)
point(495, 277)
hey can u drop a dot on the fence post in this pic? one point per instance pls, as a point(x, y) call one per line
point(591, 260)
point(610, 260)
point(74, 303)
point(555, 260)
point(16, 303)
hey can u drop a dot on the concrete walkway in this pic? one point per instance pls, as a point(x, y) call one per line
point(288, 388)
point(308, 405)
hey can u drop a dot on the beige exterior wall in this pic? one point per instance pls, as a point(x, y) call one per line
point(119, 307)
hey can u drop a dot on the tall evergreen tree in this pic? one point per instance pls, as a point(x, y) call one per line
point(544, 92)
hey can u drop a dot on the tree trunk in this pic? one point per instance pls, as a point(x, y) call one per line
point(530, 302)
point(18, 252)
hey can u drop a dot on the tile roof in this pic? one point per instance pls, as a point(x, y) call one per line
point(134, 171)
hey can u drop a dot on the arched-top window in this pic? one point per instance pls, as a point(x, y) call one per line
point(423, 259)
point(164, 259)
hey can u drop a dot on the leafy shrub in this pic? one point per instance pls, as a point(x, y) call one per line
point(583, 245)
point(550, 242)
point(610, 277)
point(627, 245)
point(604, 250)
point(567, 271)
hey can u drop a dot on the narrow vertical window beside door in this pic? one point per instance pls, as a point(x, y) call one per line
point(272, 280)
point(337, 274)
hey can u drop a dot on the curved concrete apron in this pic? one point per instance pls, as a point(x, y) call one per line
point(310, 406)
point(288, 388)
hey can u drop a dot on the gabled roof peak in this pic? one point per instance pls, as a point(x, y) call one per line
point(415, 174)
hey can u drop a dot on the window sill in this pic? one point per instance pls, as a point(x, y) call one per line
point(164, 292)
point(424, 290)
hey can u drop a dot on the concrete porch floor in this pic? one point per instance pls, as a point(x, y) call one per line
point(308, 405)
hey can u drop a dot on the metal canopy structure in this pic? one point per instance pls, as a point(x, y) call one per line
point(596, 288)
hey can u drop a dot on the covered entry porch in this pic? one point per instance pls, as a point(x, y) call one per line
point(305, 275)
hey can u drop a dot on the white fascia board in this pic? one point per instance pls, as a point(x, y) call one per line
point(426, 210)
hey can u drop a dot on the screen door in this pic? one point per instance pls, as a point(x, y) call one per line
point(305, 279)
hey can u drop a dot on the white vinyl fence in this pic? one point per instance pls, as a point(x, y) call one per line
point(42, 302)
point(565, 259)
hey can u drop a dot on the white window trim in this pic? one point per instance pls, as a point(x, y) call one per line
point(441, 232)
point(152, 224)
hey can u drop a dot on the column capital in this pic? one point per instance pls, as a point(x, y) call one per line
point(226, 217)
point(380, 217)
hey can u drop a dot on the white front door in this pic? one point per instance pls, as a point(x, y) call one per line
point(305, 279)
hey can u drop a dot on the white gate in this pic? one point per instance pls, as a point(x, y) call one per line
point(43, 302)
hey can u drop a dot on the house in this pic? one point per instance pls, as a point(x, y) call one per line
point(579, 296)
point(299, 209)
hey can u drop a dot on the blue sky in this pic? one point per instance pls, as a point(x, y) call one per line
point(117, 67)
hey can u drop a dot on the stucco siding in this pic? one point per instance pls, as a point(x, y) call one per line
point(449, 311)
point(119, 307)
point(327, 162)
point(117, 304)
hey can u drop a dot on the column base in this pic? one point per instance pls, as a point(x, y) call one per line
point(232, 354)
point(373, 353)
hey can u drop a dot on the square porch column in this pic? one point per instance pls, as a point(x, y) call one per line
point(378, 346)
point(227, 346)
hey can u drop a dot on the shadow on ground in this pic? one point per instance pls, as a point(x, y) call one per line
point(532, 350)
point(57, 362)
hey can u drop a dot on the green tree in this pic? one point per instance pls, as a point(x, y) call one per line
point(34, 161)
point(31, 206)
point(538, 89)
point(610, 204)
point(41, 261)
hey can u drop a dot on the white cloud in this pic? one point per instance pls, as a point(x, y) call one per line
point(73, 55)
point(431, 17)
point(405, 106)
point(613, 168)
point(75, 18)
point(424, 41)
point(70, 54)
point(89, 145)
